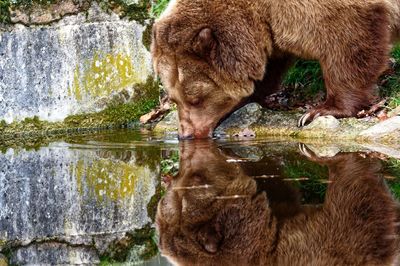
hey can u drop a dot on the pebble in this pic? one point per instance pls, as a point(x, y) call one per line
point(324, 122)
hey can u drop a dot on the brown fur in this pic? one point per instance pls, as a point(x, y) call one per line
point(207, 226)
point(213, 55)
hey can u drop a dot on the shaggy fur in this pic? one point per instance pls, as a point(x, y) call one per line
point(213, 55)
point(199, 225)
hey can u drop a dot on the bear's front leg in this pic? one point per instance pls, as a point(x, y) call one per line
point(350, 83)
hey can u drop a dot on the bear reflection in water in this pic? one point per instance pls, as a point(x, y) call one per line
point(214, 214)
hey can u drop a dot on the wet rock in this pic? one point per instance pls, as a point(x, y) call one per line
point(242, 118)
point(387, 127)
point(248, 153)
point(169, 123)
point(66, 67)
point(324, 122)
point(54, 254)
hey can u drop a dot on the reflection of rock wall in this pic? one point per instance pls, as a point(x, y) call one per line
point(70, 66)
point(72, 195)
point(55, 254)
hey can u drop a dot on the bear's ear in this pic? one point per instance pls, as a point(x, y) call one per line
point(204, 42)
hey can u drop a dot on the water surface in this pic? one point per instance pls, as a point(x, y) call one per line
point(93, 199)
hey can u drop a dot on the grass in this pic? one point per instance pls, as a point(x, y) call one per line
point(390, 85)
point(305, 75)
point(158, 7)
point(4, 11)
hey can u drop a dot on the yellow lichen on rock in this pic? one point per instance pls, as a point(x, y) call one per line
point(103, 75)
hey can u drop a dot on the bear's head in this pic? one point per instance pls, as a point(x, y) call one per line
point(208, 55)
point(212, 213)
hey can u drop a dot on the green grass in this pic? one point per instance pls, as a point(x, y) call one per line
point(158, 7)
point(4, 11)
point(390, 87)
point(305, 75)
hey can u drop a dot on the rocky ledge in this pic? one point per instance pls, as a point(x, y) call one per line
point(262, 122)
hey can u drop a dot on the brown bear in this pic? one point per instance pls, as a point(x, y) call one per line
point(213, 56)
point(213, 214)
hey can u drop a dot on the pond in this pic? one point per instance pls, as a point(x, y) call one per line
point(97, 199)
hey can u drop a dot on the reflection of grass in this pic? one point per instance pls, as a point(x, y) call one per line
point(170, 165)
point(392, 167)
point(313, 190)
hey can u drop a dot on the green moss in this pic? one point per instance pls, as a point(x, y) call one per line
point(5, 11)
point(142, 243)
point(139, 12)
point(7, 5)
point(146, 37)
point(153, 203)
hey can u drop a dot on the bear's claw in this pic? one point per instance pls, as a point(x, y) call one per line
point(307, 118)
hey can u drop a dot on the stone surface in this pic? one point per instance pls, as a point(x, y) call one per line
point(44, 14)
point(69, 66)
point(278, 124)
point(77, 195)
point(384, 128)
point(324, 122)
point(169, 123)
point(242, 118)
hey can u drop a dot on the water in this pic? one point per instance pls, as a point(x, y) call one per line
point(93, 199)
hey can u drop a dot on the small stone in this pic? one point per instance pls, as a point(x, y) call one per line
point(324, 122)
point(384, 128)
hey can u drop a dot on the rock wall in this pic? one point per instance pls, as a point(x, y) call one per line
point(70, 66)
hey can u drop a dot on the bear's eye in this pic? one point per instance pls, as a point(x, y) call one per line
point(195, 102)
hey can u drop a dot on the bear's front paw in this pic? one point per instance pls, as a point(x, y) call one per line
point(308, 117)
point(311, 115)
